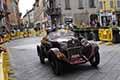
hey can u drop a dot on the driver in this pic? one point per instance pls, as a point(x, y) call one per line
point(46, 42)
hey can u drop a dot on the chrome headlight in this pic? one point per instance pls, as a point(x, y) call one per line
point(85, 42)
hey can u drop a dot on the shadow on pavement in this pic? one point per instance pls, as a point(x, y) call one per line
point(73, 69)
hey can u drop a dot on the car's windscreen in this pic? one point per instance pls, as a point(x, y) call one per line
point(60, 34)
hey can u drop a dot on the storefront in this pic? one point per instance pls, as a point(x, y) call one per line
point(105, 18)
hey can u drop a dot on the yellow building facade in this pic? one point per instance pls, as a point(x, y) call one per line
point(107, 9)
point(107, 5)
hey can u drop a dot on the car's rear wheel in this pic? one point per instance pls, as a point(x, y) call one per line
point(95, 60)
point(56, 65)
point(40, 54)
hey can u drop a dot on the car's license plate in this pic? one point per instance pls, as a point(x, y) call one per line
point(74, 56)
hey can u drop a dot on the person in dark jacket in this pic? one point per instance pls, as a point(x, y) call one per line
point(98, 24)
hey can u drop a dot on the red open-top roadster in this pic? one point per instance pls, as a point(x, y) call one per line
point(64, 47)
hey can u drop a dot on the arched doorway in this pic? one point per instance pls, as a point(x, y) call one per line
point(93, 18)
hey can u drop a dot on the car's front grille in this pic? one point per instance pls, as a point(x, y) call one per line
point(73, 48)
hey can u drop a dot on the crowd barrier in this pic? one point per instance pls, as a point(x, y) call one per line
point(106, 35)
point(4, 64)
point(18, 35)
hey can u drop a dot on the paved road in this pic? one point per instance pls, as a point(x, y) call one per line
point(27, 66)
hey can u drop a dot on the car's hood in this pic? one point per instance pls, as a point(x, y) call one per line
point(62, 40)
point(66, 39)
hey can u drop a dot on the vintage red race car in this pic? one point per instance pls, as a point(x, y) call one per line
point(63, 47)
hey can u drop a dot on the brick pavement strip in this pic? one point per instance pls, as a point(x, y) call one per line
point(27, 65)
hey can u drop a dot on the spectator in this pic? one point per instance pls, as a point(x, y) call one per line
point(104, 21)
point(119, 21)
point(108, 21)
point(92, 23)
point(98, 24)
point(114, 19)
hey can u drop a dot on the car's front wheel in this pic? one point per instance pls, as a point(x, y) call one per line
point(40, 54)
point(56, 65)
point(95, 60)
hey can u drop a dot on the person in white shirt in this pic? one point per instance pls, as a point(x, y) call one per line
point(114, 19)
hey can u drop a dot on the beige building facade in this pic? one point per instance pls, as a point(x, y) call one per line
point(78, 10)
point(28, 18)
point(11, 10)
point(39, 13)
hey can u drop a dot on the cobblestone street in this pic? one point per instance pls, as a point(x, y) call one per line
point(27, 66)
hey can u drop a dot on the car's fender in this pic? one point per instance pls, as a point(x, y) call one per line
point(95, 48)
point(56, 52)
point(94, 45)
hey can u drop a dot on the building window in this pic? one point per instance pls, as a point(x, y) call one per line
point(92, 3)
point(101, 5)
point(80, 4)
point(111, 4)
point(67, 4)
point(118, 3)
